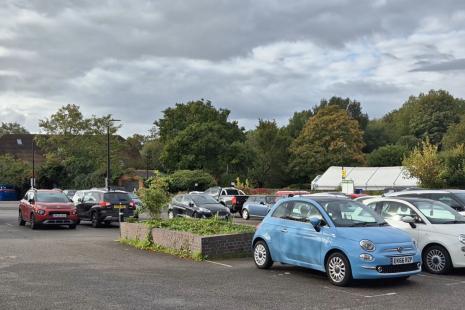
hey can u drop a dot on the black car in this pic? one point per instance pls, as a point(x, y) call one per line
point(102, 207)
point(198, 206)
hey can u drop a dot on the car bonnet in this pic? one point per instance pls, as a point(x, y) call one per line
point(378, 235)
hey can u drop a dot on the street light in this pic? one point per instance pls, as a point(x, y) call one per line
point(107, 181)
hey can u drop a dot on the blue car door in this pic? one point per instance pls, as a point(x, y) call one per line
point(301, 243)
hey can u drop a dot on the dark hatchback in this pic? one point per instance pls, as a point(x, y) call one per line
point(102, 207)
point(197, 206)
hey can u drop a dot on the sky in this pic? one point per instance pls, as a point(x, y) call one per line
point(259, 58)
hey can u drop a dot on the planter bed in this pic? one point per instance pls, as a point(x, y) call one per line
point(208, 244)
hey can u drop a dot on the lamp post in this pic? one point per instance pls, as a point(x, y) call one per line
point(107, 181)
point(33, 180)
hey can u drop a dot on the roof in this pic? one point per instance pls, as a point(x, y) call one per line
point(408, 199)
point(20, 146)
point(367, 178)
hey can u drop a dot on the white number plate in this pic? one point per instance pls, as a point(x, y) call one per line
point(59, 215)
point(402, 260)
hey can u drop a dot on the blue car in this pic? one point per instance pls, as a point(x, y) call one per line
point(258, 206)
point(338, 236)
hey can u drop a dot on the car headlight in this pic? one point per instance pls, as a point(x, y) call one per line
point(462, 238)
point(204, 210)
point(41, 212)
point(367, 245)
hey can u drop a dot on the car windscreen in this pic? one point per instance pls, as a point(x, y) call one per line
point(232, 192)
point(116, 198)
point(347, 213)
point(461, 197)
point(203, 199)
point(439, 213)
point(51, 197)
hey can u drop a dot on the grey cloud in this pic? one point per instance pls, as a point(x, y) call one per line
point(456, 64)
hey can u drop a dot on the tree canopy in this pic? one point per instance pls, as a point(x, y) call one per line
point(11, 128)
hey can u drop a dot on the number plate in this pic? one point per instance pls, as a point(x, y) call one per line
point(59, 215)
point(120, 206)
point(402, 260)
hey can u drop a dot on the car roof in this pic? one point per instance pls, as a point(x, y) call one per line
point(320, 199)
point(46, 190)
point(407, 199)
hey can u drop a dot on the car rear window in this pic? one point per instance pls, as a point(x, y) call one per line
point(232, 192)
point(51, 197)
point(116, 197)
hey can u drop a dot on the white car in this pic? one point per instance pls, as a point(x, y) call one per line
point(439, 230)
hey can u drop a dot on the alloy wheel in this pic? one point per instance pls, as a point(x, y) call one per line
point(170, 214)
point(436, 260)
point(260, 254)
point(245, 214)
point(337, 269)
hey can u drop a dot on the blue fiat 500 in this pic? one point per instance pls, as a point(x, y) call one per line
point(338, 236)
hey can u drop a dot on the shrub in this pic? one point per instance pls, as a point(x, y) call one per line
point(454, 166)
point(388, 155)
point(155, 197)
point(185, 180)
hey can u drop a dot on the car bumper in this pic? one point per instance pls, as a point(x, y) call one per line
point(211, 215)
point(457, 254)
point(382, 267)
point(57, 221)
point(113, 215)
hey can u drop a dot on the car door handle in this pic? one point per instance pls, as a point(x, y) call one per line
point(284, 230)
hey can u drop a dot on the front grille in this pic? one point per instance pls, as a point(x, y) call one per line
point(58, 212)
point(397, 268)
point(57, 222)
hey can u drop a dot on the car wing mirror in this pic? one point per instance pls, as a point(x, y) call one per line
point(409, 220)
point(191, 204)
point(316, 223)
point(262, 202)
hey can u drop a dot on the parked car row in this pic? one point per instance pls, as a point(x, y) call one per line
point(53, 207)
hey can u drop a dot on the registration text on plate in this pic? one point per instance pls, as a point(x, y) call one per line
point(402, 260)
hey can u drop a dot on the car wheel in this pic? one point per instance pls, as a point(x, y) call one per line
point(108, 223)
point(437, 260)
point(195, 215)
point(94, 220)
point(338, 269)
point(261, 255)
point(34, 224)
point(21, 222)
point(170, 214)
point(72, 226)
point(245, 214)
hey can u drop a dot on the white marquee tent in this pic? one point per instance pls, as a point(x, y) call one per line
point(366, 178)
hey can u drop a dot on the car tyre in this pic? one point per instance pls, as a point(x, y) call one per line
point(261, 255)
point(94, 220)
point(21, 221)
point(436, 260)
point(72, 226)
point(34, 224)
point(338, 269)
point(245, 214)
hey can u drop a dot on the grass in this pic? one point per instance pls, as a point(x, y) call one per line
point(147, 245)
point(202, 227)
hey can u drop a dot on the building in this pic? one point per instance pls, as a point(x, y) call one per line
point(20, 147)
point(365, 178)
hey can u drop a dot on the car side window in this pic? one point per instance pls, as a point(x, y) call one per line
point(283, 210)
point(86, 197)
point(95, 196)
point(223, 193)
point(445, 198)
point(303, 211)
point(178, 199)
point(396, 210)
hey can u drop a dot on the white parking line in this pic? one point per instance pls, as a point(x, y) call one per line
point(455, 283)
point(221, 264)
point(360, 295)
point(380, 295)
point(9, 224)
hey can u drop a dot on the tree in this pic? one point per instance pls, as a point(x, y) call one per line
point(297, 122)
point(425, 164)
point(455, 135)
point(269, 145)
point(388, 155)
point(375, 135)
point(151, 153)
point(329, 138)
point(13, 171)
point(436, 111)
point(352, 107)
point(156, 196)
point(11, 128)
point(186, 180)
point(196, 135)
point(80, 146)
point(454, 166)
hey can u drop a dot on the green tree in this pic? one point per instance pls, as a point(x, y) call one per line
point(297, 123)
point(329, 138)
point(151, 154)
point(425, 164)
point(14, 171)
point(269, 145)
point(436, 111)
point(388, 155)
point(455, 135)
point(196, 135)
point(155, 197)
point(80, 145)
point(186, 180)
point(11, 128)
point(375, 135)
point(454, 166)
point(352, 107)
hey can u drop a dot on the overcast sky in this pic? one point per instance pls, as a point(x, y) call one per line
point(258, 58)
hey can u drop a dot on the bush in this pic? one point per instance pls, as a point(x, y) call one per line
point(155, 197)
point(385, 156)
point(185, 180)
point(454, 166)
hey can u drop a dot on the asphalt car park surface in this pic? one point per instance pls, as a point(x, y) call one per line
point(58, 268)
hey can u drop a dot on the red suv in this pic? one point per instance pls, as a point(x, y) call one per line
point(47, 207)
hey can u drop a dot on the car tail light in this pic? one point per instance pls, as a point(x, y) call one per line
point(132, 205)
point(258, 225)
point(104, 204)
point(234, 200)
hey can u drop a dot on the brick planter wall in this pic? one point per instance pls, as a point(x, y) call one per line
point(210, 246)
